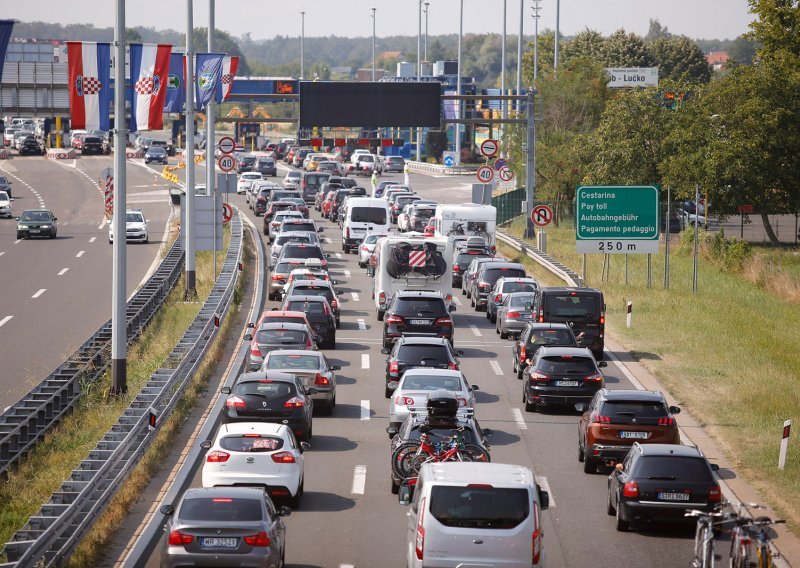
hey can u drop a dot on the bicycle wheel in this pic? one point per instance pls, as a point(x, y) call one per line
point(404, 458)
point(474, 453)
point(739, 557)
point(763, 556)
point(703, 551)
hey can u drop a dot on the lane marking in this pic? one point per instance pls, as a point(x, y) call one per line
point(63, 271)
point(362, 325)
point(519, 419)
point(101, 225)
point(93, 239)
point(456, 301)
point(39, 293)
point(80, 254)
point(496, 367)
point(347, 274)
point(545, 485)
point(338, 255)
point(346, 566)
point(2, 252)
point(365, 360)
point(18, 241)
point(365, 414)
point(5, 320)
point(359, 480)
point(475, 329)
point(355, 296)
point(625, 371)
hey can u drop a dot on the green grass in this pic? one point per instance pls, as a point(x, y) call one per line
point(729, 354)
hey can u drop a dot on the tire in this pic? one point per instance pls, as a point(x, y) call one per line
point(580, 452)
point(404, 458)
point(294, 502)
point(513, 365)
point(338, 324)
point(589, 465)
point(503, 334)
point(520, 371)
point(622, 525)
point(610, 510)
point(493, 319)
point(395, 487)
point(387, 392)
point(529, 406)
point(488, 315)
point(475, 453)
point(19, 236)
point(471, 301)
point(380, 315)
point(463, 292)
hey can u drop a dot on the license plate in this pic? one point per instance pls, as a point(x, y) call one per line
point(637, 435)
point(419, 322)
point(673, 496)
point(526, 316)
point(219, 542)
point(567, 383)
point(34, 230)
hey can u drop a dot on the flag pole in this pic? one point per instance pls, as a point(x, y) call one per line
point(210, 136)
point(188, 232)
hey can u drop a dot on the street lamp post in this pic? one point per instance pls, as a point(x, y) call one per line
point(558, 30)
point(419, 73)
point(210, 136)
point(427, 4)
point(302, 42)
point(191, 287)
point(458, 83)
point(503, 103)
point(373, 43)
point(519, 51)
point(536, 9)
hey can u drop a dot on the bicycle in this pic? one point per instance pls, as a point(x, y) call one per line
point(746, 534)
point(409, 457)
point(704, 549)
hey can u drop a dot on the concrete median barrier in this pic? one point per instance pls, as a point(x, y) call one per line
point(61, 154)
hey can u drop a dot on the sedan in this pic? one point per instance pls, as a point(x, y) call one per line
point(366, 248)
point(561, 375)
point(417, 352)
point(231, 526)
point(5, 205)
point(312, 368)
point(274, 335)
point(259, 454)
point(416, 384)
point(156, 154)
point(37, 223)
point(245, 181)
point(289, 237)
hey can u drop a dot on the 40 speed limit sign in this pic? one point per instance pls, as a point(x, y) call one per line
point(485, 174)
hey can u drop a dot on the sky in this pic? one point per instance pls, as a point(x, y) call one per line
point(702, 19)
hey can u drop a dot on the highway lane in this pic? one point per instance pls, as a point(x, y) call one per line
point(56, 293)
point(348, 516)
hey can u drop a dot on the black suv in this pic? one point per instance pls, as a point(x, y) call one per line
point(245, 164)
point(461, 261)
point(266, 167)
point(583, 309)
point(30, 145)
point(561, 375)
point(417, 314)
point(319, 313)
point(92, 145)
point(417, 352)
point(487, 276)
point(536, 335)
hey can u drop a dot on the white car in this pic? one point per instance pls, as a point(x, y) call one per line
point(416, 384)
point(366, 248)
point(305, 274)
point(259, 454)
point(135, 227)
point(275, 224)
point(292, 179)
point(246, 180)
point(5, 205)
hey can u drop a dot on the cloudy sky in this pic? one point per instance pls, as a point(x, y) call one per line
point(708, 19)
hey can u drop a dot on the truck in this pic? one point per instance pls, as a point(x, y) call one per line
point(469, 219)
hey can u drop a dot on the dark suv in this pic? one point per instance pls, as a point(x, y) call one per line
point(583, 309)
point(92, 145)
point(417, 352)
point(487, 276)
point(319, 313)
point(417, 314)
point(536, 335)
point(561, 375)
point(310, 184)
point(266, 167)
point(461, 261)
point(246, 164)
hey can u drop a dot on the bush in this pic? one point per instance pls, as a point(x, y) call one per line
point(729, 255)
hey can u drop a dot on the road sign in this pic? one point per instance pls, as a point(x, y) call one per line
point(485, 174)
point(506, 174)
point(449, 159)
point(226, 183)
point(489, 148)
point(617, 219)
point(500, 163)
point(226, 144)
point(227, 213)
point(541, 215)
point(226, 162)
point(745, 209)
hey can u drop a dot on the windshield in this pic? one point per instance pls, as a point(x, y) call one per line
point(677, 467)
point(282, 239)
point(134, 218)
point(551, 337)
point(509, 287)
point(265, 388)
point(479, 507)
point(422, 307)
point(571, 306)
point(293, 174)
point(251, 443)
point(566, 364)
point(422, 354)
point(300, 362)
point(35, 216)
point(430, 383)
point(371, 239)
point(302, 251)
point(634, 408)
point(306, 307)
point(375, 215)
point(220, 509)
point(312, 291)
point(520, 301)
point(280, 336)
point(3, 196)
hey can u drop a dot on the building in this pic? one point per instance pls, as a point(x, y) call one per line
point(717, 59)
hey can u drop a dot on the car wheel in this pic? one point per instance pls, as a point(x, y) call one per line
point(520, 371)
point(471, 300)
point(19, 236)
point(331, 344)
point(513, 366)
point(589, 465)
point(488, 315)
point(395, 487)
point(147, 240)
point(387, 392)
point(580, 451)
point(463, 292)
point(294, 502)
point(53, 236)
point(338, 323)
point(529, 406)
point(622, 525)
point(610, 506)
point(494, 317)
point(380, 315)
point(503, 334)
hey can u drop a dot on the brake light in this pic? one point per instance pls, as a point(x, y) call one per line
point(602, 318)
point(541, 315)
point(321, 380)
point(494, 250)
point(498, 298)
point(177, 538)
point(452, 366)
point(235, 402)
point(394, 368)
point(483, 285)
point(309, 345)
point(404, 401)
point(537, 376)
point(294, 402)
point(277, 277)
point(594, 378)
point(218, 457)
point(395, 320)
point(631, 489)
point(283, 457)
point(513, 315)
point(327, 309)
point(522, 352)
point(456, 268)
point(419, 541)
point(260, 539)
point(666, 421)
point(443, 321)
point(536, 537)
point(601, 420)
point(382, 298)
point(365, 248)
point(334, 303)
point(347, 233)
point(714, 494)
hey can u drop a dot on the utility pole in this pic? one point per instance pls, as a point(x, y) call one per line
point(191, 286)
point(558, 31)
point(427, 5)
point(536, 9)
point(530, 169)
point(210, 137)
point(518, 104)
point(419, 72)
point(458, 85)
point(373, 43)
point(302, 42)
point(119, 323)
point(503, 103)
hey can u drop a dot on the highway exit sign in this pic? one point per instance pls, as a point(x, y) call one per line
point(616, 219)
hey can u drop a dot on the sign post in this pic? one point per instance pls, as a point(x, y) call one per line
point(541, 216)
point(617, 219)
point(226, 145)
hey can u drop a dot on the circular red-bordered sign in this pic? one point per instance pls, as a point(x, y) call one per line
point(226, 163)
point(485, 174)
point(226, 145)
point(541, 215)
point(489, 148)
point(227, 213)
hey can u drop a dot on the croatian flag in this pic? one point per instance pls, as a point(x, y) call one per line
point(175, 90)
point(208, 75)
point(229, 65)
point(149, 74)
point(89, 66)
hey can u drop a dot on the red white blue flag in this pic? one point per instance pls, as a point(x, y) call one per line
point(89, 66)
point(229, 66)
point(149, 75)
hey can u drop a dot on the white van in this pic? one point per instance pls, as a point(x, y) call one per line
point(475, 514)
point(467, 219)
point(362, 216)
point(397, 267)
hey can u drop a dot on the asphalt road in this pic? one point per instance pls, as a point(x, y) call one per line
point(349, 521)
point(56, 293)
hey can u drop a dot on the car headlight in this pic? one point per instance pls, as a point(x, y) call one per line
point(45, 227)
point(22, 226)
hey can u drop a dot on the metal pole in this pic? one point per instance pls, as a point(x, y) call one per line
point(649, 270)
point(189, 229)
point(696, 239)
point(518, 104)
point(419, 71)
point(119, 325)
point(458, 84)
point(302, 43)
point(504, 103)
point(558, 29)
point(210, 138)
point(583, 273)
point(666, 246)
point(530, 169)
point(427, 5)
point(535, 40)
point(373, 43)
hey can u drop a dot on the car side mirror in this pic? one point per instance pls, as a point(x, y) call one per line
point(602, 363)
point(320, 229)
point(451, 308)
point(225, 390)
point(580, 407)
point(474, 388)
point(336, 367)
point(55, 218)
point(248, 336)
point(488, 432)
point(544, 498)
point(385, 350)
point(392, 431)
point(284, 511)
point(251, 324)
point(327, 255)
point(206, 444)
point(714, 467)
point(304, 446)
point(674, 409)
point(167, 509)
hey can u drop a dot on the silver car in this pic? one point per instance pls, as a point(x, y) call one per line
point(289, 236)
point(366, 248)
point(275, 224)
point(505, 286)
point(224, 526)
point(416, 384)
point(313, 368)
point(517, 310)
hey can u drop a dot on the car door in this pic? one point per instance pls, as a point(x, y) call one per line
point(583, 423)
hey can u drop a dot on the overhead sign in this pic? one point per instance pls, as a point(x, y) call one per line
point(620, 77)
point(485, 174)
point(617, 219)
point(489, 148)
point(541, 215)
point(226, 163)
point(226, 145)
point(506, 174)
point(500, 163)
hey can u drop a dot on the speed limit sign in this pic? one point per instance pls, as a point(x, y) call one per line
point(485, 174)
point(226, 163)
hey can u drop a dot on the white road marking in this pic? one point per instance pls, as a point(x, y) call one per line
point(93, 239)
point(545, 485)
point(634, 381)
point(496, 367)
point(362, 325)
point(338, 255)
point(475, 330)
point(101, 225)
point(365, 410)
point(359, 480)
point(63, 271)
point(80, 254)
point(18, 241)
point(365, 361)
point(39, 293)
point(2, 252)
point(456, 301)
point(518, 418)
point(5, 320)
point(355, 296)
point(347, 274)
point(346, 566)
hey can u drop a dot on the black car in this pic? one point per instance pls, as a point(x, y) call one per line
point(487, 276)
point(260, 202)
point(319, 313)
point(536, 335)
point(322, 288)
point(417, 314)
point(269, 396)
point(310, 184)
point(417, 352)
point(561, 375)
point(461, 261)
point(30, 145)
point(338, 199)
point(91, 145)
point(37, 223)
point(323, 192)
point(583, 309)
point(156, 154)
point(266, 167)
point(246, 164)
point(660, 482)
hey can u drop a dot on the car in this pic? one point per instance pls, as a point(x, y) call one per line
point(286, 237)
point(615, 419)
point(279, 275)
point(299, 205)
point(308, 272)
point(135, 227)
point(471, 272)
point(245, 163)
point(271, 396)
point(276, 315)
point(274, 207)
point(8, 136)
point(487, 276)
point(417, 314)
point(317, 287)
point(421, 214)
point(303, 251)
point(416, 384)
point(517, 309)
point(419, 352)
point(399, 202)
point(266, 167)
point(336, 202)
point(5, 205)
point(168, 146)
point(258, 203)
point(366, 248)
point(660, 482)
point(323, 192)
point(313, 369)
point(292, 179)
point(37, 223)
point(258, 454)
point(294, 224)
point(274, 226)
point(260, 189)
point(246, 179)
point(270, 336)
point(319, 313)
point(30, 145)
point(5, 185)
point(394, 164)
point(224, 525)
point(462, 260)
point(584, 309)
point(92, 145)
point(330, 167)
point(506, 286)
point(535, 335)
point(279, 194)
point(561, 375)
point(300, 156)
point(156, 154)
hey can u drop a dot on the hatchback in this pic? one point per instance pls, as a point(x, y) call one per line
point(487, 276)
point(536, 335)
point(561, 375)
point(506, 286)
point(303, 251)
point(287, 237)
point(319, 313)
point(416, 384)
point(278, 335)
point(275, 224)
point(417, 314)
point(462, 260)
point(417, 353)
point(313, 368)
point(279, 276)
point(292, 179)
point(517, 309)
point(366, 248)
point(317, 287)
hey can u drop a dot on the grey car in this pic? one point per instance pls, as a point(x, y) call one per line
point(286, 237)
point(272, 336)
point(517, 309)
point(224, 526)
point(313, 368)
point(505, 286)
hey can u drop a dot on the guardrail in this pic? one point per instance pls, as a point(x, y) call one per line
point(52, 534)
point(25, 422)
point(548, 262)
point(425, 168)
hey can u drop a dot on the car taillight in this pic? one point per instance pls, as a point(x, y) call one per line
point(334, 304)
point(394, 367)
point(513, 315)
point(321, 380)
point(395, 320)
point(714, 494)
point(602, 318)
point(666, 421)
point(309, 344)
point(327, 309)
point(177, 538)
point(537, 376)
point(536, 537)
point(277, 277)
point(498, 298)
point(522, 352)
point(260, 539)
point(484, 285)
point(456, 268)
point(443, 321)
point(630, 489)
point(323, 262)
point(347, 233)
point(494, 250)
point(419, 541)
point(294, 402)
point(596, 377)
point(382, 298)
point(283, 457)
point(541, 315)
point(404, 401)
point(452, 366)
point(218, 457)
point(365, 248)
point(235, 402)
point(601, 420)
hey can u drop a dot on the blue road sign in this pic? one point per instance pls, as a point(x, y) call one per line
point(500, 163)
point(449, 161)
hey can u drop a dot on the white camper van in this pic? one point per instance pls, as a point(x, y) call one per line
point(363, 216)
point(412, 262)
point(467, 219)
